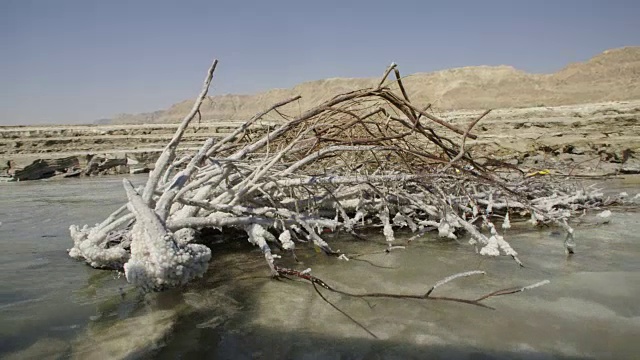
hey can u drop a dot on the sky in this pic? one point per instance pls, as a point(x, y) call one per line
point(76, 61)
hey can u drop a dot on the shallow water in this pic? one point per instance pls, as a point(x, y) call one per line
point(52, 306)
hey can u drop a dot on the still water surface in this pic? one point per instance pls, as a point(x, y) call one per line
point(54, 307)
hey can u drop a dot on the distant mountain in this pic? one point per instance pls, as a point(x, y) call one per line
point(103, 121)
point(612, 75)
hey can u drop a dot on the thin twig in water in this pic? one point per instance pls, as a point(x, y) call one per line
point(343, 312)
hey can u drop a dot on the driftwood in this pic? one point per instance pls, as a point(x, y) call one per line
point(366, 158)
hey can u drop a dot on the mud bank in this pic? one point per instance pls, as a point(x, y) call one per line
point(37, 152)
point(602, 138)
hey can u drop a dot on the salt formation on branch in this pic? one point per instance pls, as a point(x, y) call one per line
point(365, 158)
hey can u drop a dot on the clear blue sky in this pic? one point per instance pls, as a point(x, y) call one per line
point(75, 61)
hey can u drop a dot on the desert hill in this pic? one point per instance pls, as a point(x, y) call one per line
point(612, 75)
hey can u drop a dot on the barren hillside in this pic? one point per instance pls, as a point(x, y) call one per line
point(612, 75)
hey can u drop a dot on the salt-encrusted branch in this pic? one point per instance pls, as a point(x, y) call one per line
point(451, 278)
point(362, 159)
point(157, 260)
point(427, 296)
point(168, 154)
point(180, 179)
point(258, 236)
point(512, 290)
point(171, 167)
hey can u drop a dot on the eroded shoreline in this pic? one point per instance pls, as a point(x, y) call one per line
point(593, 139)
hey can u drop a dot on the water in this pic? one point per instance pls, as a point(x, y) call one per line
point(54, 307)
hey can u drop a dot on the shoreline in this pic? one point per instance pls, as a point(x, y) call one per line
point(594, 139)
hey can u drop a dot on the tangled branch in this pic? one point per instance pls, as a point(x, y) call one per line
point(368, 158)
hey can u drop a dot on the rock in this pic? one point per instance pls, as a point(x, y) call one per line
point(44, 168)
point(71, 174)
point(104, 165)
point(131, 161)
point(25, 168)
point(108, 164)
point(566, 157)
point(142, 170)
point(571, 149)
point(534, 160)
point(631, 166)
point(92, 165)
point(604, 217)
point(630, 171)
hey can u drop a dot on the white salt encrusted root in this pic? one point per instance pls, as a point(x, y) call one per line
point(285, 240)
point(258, 236)
point(88, 246)
point(157, 260)
point(496, 243)
point(506, 224)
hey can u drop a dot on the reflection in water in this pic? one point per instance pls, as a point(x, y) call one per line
point(53, 307)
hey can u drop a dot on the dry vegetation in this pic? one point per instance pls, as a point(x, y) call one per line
point(367, 158)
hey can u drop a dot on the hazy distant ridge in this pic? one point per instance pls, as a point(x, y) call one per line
point(612, 75)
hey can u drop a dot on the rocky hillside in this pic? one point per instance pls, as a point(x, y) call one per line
point(612, 75)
